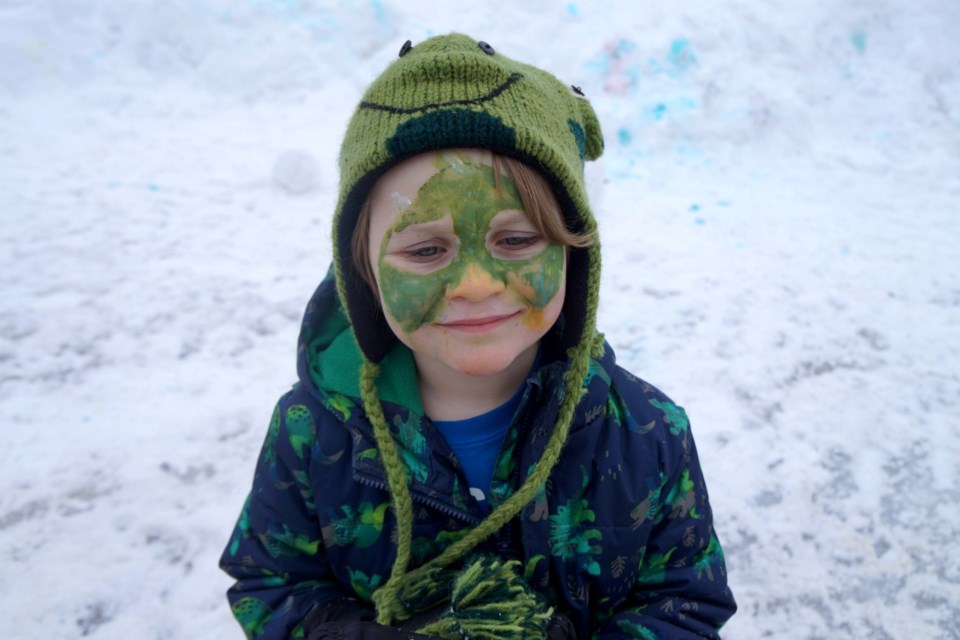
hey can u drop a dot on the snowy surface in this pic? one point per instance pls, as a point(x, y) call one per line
point(780, 210)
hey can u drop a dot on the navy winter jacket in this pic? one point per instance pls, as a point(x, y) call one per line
point(620, 539)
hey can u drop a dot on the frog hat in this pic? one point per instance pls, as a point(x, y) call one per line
point(454, 92)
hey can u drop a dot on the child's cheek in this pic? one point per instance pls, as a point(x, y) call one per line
point(412, 299)
point(539, 279)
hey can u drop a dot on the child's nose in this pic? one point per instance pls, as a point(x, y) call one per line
point(476, 284)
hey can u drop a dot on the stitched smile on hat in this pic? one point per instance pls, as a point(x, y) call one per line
point(489, 95)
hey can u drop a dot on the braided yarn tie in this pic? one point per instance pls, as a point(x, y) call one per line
point(386, 599)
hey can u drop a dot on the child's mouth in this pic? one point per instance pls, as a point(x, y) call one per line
point(478, 325)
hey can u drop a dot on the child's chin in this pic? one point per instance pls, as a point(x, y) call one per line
point(482, 364)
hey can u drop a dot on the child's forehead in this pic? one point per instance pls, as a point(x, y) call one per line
point(411, 174)
point(450, 171)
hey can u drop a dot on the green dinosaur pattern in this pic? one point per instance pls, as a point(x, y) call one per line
point(286, 543)
point(709, 559)
point(682, 499)
point(270, 445)
point(569, 538)
point(252, 614)
point(362, 527)
point(596, 369)
point(340, 404)
point(673, 415)
point(302, 479)
point(531, 566)
point(424, 548)
point(242, 530)
point(614, 410)
point(649, 508)
point(653, 568)
point(501, 486)
point(301, 430)
point(362, 584)
point(636, 631)
point(413, 446)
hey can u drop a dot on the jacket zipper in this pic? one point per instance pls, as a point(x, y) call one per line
point(420, 498)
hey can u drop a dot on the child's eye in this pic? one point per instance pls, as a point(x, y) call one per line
point(427, 253)
point(516, 245)
point(519, 241)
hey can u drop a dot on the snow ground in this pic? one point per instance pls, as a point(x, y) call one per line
point(779, 207)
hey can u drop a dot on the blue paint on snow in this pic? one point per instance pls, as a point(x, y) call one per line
point(379, 12)
point(694, 207)
point(859, 40)
point(624, 136)
point(681, 56)
point(612, 55)
point(572, 10)
point(659, 111)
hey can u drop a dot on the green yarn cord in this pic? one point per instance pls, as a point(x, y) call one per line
point(386, 598)
point(490, 601)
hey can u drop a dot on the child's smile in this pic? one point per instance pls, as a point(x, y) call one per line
point(465, 277)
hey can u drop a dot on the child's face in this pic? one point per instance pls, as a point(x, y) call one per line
point(465, 278)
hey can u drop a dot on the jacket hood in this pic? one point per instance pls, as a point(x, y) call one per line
point(329, 358)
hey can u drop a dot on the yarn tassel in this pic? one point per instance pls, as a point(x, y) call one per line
point(490, 601)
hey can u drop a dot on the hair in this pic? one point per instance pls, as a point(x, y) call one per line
point(539, 203)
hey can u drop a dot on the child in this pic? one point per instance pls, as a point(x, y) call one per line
point(461, 456)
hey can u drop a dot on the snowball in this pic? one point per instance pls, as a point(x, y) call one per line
point(296, 172)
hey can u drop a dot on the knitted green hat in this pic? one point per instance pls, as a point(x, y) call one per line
point(451, 92)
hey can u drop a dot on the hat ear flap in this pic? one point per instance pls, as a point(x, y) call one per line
point(591, 128)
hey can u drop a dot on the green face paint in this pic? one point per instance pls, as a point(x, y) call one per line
point(465, 191)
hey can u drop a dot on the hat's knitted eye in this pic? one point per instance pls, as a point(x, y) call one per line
point(486, 48)
point(577, 91)
point(405, 49)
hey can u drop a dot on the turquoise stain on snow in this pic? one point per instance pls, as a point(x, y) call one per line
point(859, 40)
point(661, 110)
point(681, 56)
point(380, 13)
point(700, 222)
point(153, 187)
point(688, 152)
point(624, 136)
point(572, 10)
point(694, 207)
point(612, 55)
point(287, 8)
